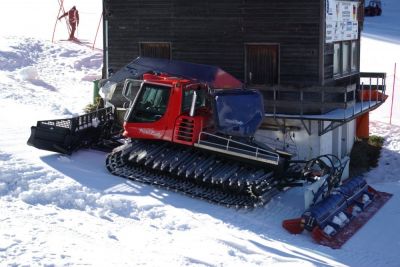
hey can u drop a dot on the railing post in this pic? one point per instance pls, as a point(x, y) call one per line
point(394, 82)
point(362, 96)
point(274, 101)
point(301, 103)
point(345, 102)
point(370, 91)
point(355, 101)
point(384, 81)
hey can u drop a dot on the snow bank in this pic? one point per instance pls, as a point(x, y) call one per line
point(44, 74)
point(19, 55)
point(28, 74)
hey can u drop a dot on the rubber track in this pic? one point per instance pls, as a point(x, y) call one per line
point(192, 172)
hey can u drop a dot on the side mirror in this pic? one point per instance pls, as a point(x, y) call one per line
point(131, 88)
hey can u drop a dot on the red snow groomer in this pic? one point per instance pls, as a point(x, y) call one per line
point(190, 128)
point(185, 129)
point(187, 132)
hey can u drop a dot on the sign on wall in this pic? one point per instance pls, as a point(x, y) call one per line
point(341, 20)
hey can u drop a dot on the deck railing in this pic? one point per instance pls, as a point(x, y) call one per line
point(368, 92)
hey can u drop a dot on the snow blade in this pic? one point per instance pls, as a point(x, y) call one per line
point(67, 135)
point(339, 216)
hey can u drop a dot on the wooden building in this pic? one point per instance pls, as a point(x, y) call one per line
point(303, 55)
point(274, 44)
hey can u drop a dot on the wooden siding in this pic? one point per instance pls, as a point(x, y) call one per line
point(216, 32)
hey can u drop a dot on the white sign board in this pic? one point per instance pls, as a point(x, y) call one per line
point(341, 20)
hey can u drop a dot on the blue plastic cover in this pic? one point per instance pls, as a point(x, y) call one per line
point(351, 187)
point(323, 211)
point(238, 112)
point(214, 76)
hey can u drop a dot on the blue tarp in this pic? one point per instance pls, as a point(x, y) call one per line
point(214, 76)
point(238, 112)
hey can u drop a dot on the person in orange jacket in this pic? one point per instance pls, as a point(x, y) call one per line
point(73, 19)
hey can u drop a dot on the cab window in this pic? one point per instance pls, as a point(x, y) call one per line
point(151, 104)
point(188, 96)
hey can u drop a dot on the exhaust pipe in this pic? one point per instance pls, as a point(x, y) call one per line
point(193, 106)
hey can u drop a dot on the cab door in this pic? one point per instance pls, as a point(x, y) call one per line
point(149, 113)
point(195, 114)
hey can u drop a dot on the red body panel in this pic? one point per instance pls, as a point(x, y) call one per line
point(175, 125)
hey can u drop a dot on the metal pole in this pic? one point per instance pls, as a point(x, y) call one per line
point(105, 41)
point(66, 19)
point(370, 92)
point(98, 27)
point(106, 48)
point(394, 82)
point(193, 105)
point(59, 10)
point(362, 96)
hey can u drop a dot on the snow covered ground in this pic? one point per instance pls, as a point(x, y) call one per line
point(380, 50)
point(57, 210)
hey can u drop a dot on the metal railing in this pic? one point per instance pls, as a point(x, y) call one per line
point(365, 93)
point(81, 122)
point(235, 148)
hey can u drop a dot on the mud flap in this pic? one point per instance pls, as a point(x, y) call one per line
point(67, 135)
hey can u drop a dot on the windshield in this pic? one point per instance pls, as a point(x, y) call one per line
point(151, 103)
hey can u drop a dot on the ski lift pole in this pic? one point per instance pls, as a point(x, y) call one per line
point(61, 2)
point(98, 27)
point(55, 25)
point(391, 106)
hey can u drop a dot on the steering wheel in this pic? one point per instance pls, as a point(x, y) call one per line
point(147, 105)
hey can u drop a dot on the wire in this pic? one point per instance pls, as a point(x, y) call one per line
point(327, 166)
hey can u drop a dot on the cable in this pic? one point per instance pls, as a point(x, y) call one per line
point(321, 166)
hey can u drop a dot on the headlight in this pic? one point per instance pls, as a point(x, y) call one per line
point(107, 90)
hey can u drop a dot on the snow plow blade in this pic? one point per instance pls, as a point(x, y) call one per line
point(339, 216)
point(67, 135)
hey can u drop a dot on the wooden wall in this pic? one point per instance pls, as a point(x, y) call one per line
point(216, 31)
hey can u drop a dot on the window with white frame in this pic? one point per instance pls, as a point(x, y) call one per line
point(354, 56)
point(337, 58)
point(345, 58)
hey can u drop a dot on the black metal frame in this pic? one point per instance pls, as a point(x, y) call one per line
point(67, 135)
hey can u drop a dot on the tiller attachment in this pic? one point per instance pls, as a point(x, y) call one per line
point(67, 135)
point(335, 219)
